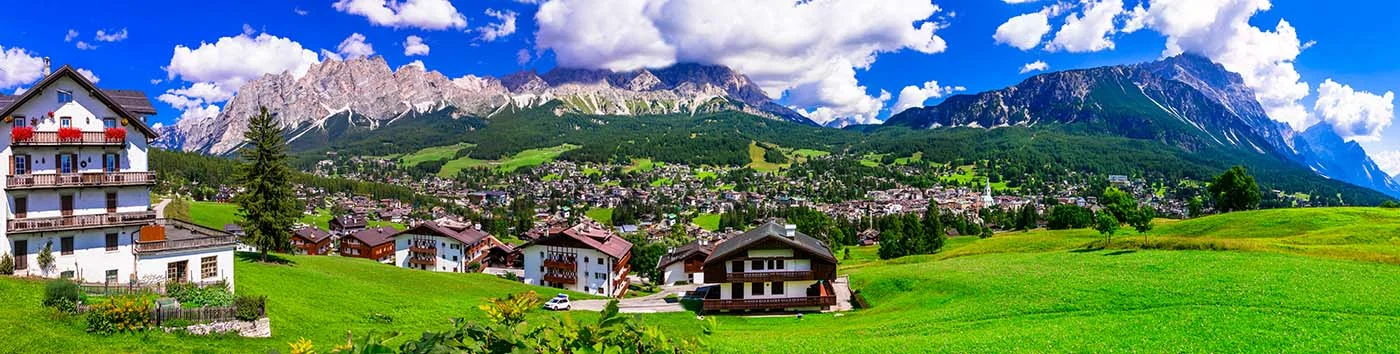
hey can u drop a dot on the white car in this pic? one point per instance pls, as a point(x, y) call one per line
point(558, 303)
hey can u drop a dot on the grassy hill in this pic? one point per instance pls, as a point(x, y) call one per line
point(1311, 280)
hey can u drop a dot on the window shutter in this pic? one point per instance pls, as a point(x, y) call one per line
point(12, 165)
point(58, 163)
point(75, 162)
point(28, 165)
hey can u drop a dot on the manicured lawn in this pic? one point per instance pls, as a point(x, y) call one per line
point(213, 214)
point(602, 215)
point(315, 297)
point(707, 221)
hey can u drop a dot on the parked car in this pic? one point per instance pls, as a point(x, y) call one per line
point(558, 303)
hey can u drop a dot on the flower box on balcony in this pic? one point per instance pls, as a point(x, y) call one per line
point(115, 134)
point(18, 134)
point(70, 134)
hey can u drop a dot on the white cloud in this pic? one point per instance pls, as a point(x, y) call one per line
point(1388, 161)
point(248, 30)
point(1355, 115)
point(19, 67)
point(505, 27)
point(1089, 31)
point(216, 70)
point(156, 81)
point(809, 50)
point(1037, 65)
point(413, 45)
point(1025, 31)
point(117, 36)
point(20, 91)
point(198, 113)
point(915, 96)
point(71, 34)
point(418, 64)
point(88, 74)
point(1220, 30)
point(85, 45)
point(1019, 1)
point(522, 56)
point(354, 46)
point(422, 14)
point(300, 12)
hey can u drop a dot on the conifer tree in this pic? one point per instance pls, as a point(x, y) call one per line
point(267, 202)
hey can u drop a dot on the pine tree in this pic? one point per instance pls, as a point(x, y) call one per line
point(267, 203)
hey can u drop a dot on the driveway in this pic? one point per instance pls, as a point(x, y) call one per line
point(656, 303)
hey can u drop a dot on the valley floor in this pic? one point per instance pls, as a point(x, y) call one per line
point(1298, 280)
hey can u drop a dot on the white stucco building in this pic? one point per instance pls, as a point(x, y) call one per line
point(586, 258)
point(77, 181)
point(442, 247)
point(685, 263)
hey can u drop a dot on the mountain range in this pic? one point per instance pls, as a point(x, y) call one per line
point(1186, 101)
point(368, 87)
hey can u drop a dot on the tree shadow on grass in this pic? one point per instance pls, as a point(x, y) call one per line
point(255, 257)
point(1120, 252)
point(1086, 250)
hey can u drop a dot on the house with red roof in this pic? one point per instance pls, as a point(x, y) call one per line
point(444, 246)
point(311, 240)
point(373, 243)
point(587, 258)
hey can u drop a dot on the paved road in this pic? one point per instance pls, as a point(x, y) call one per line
point(656, 303)
point(160, 208)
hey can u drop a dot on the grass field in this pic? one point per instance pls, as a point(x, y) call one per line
point(433, 154)
point(1298, 280)
point(756, 162)
point(215, 215)
point(527, 158)
point(602, 215)
point(707, 221)
point(640, 165)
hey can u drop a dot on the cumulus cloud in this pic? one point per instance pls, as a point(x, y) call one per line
point(505, 27)
point(1388, 161)
point(1355, 115)
point(1089, 30)
point(418, 64)
point(413, 45)
point(72, 33)
point(354, 46)
point(19, 67)
point(88, 74)
point(216, 70)
point(809, 50)
point(85, 45)
point(1220, 30)
point(915, 96)
point(1025, 31)
point(300, 12)
point(1034, 66)
point(115, 36)
point(522, 56)
point(422, 14)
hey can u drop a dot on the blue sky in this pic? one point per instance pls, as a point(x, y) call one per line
point(886, 45)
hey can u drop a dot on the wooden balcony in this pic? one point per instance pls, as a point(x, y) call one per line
point(75, 222)
point(185, 244)
point(770, 304)
point(755, 277)
point(561, 278)
point(51, 139)
point(423, 261)
point(95, 179)
point(421, 249)
point(561, 263)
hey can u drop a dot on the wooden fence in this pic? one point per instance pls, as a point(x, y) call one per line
point(160, 315)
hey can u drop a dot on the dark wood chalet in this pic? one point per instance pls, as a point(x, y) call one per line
point(771, 268)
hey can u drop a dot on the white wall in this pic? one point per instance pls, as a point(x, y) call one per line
point(153, 266)
point(448, 258)
point(588, 268)
point(676, 273)
point(797, 288)
point(90, 259)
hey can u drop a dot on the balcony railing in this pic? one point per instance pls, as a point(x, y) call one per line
point(425, 261)
point(564, 263)
point(51, 139)
point(770, 304)
point(184, 244)
point(73, 222)
point(96, 179)
point(416, 248)
point(561, 278)
point(750, 277)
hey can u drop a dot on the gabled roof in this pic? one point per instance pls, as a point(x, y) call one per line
point(376, 235)
point(685, 251)
point(771, 231)
point(350, 220)
point(311, 233)
point(593, 236)
point(126, 103)
point(467, 236)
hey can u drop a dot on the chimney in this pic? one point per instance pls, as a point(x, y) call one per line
point(46, 66)
point(790, 230)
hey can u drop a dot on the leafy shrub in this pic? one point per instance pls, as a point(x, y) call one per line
point(511, 276)
point(62, 294)
point(248, 307)
point(7, 264)
point(1390, 204)
point(120, 314)
point(474, 267)
point(177, 323)
point(191, 295)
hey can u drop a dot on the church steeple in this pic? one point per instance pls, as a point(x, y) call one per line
point(987, 193)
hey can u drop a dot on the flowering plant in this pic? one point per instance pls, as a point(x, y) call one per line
point(18, 134)
point(115, 134)
point(69, 134)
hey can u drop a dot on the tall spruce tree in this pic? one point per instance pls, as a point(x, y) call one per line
point(267, 202)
